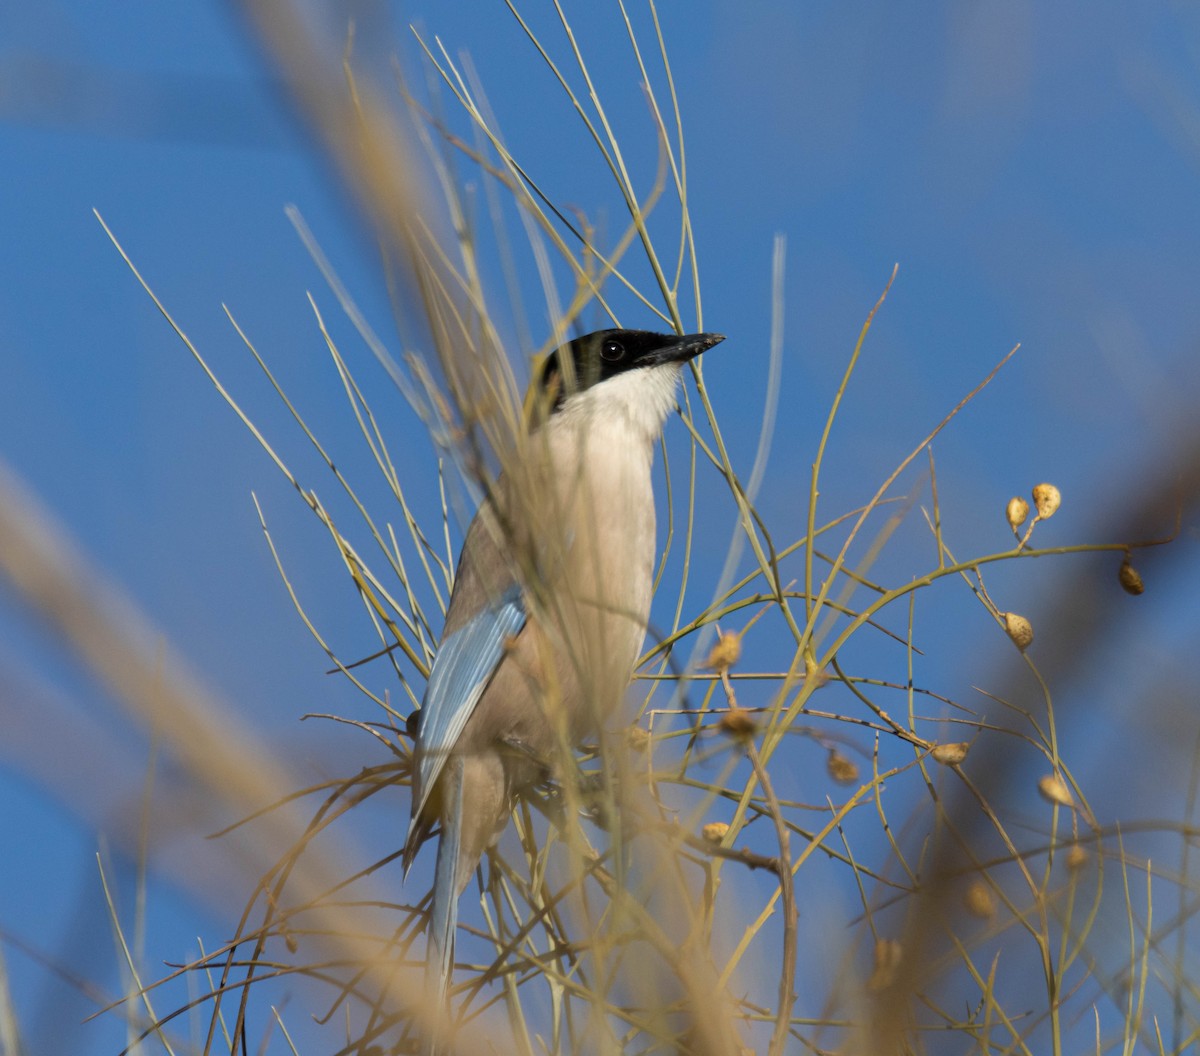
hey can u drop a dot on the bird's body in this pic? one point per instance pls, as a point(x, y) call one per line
point(550, 604)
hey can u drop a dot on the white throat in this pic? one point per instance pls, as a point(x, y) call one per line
point(638, 400)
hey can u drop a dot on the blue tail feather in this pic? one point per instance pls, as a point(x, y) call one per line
point(439, 954)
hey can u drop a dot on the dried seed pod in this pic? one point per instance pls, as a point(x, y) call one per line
point(1047, 499)
point(1130, 578)
point(950, 754)
point(887, 959)
point(737, 723)
point(726, 652)
point(714, 831)
point(1054, 789)
point(979, 900)
point(1016, 511)
point(1076, 857)
point(844, 771)
point(1019, 629)
point(637, 738)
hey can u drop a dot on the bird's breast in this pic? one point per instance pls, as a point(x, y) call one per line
point(604, 530)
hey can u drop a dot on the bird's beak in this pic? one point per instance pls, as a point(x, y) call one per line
point(684, 348)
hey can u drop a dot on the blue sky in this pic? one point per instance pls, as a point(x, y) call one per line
point(1032, 168)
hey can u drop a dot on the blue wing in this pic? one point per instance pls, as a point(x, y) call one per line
point(462, 669)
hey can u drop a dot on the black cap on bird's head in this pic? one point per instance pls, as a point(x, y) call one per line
point(604, 354)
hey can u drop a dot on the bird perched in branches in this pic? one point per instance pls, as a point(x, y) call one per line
point(549, 607)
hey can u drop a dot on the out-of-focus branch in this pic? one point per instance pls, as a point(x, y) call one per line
point(387, 178)
point(227, 762)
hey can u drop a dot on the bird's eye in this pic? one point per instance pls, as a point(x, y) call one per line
point(612, 351)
